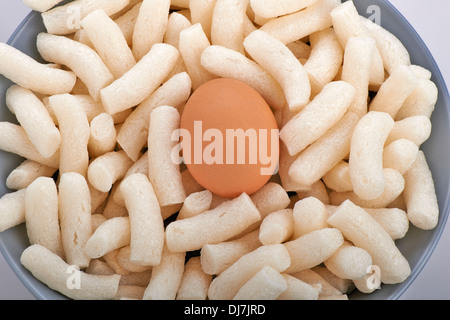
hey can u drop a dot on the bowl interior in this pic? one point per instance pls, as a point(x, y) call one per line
point(417, 246)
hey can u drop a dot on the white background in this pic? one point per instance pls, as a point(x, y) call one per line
point(431, 20)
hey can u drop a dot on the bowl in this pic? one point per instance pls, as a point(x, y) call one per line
point(417, 246)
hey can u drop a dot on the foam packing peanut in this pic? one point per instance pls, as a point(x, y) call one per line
point(361, 229)
point(52, 270)
point(108, 168)
point(146, 223)
point(267, 284)
point(133, 135)
point(75, 217)
point(153, 15)
point(313, 248)
point(215, 258)
point(366, 154)
point(113, 234)
point(347, 24)
point(295, 26)
point(228, 63)
point(75, 132)
point(41, 217)
point(349, 262)
point(280, 62)
point(164, 174)
point(60, 20)
point(309, 214)
point(298, 290)
point(141, 80)
point(216, 225)
point(109, 42)
point(81, 59)
point(226, 285)
point(14, 139)
point(35, 119)
point(420, 195)
point(30, 74)
point(320, 157)
point(227, 24)
point(12, 207)
point(395, 185)
point(329, 106)
point(277, 227)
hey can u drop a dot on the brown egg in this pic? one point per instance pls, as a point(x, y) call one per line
point(230, 138)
